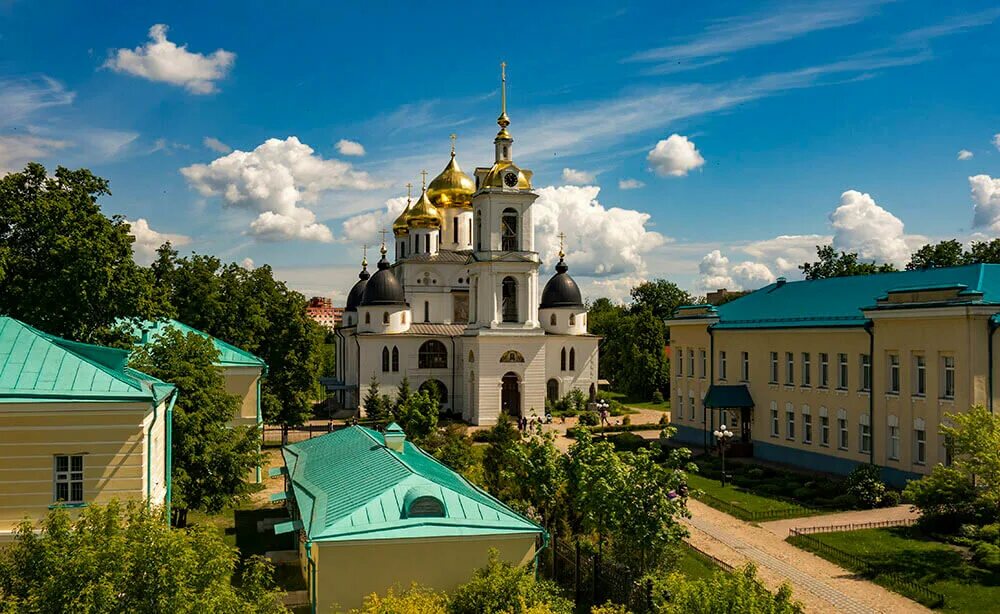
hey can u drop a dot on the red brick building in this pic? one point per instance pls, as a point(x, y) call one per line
point(321, 310)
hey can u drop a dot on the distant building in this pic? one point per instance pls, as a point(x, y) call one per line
point(826, 374)
point(375, 511)
point(78, 426)
point(322, 311)
point(723, 295)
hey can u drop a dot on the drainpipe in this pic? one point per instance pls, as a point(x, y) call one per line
point(545, 544)
point(168, 444)
point(260, 423)
point(149, 458)
point(454, 365)
point(992, 325)
point(711, 377)
point(311, 564)
point(357, 342)
point(870, 329)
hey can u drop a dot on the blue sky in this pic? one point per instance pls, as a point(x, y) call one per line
point(755, 130)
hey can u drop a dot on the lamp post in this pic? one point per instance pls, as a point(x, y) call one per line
point(723, 435)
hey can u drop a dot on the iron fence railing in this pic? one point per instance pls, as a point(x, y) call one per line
point(734, 509)
point(855, 526)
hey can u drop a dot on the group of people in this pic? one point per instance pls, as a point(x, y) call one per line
point(525, 423)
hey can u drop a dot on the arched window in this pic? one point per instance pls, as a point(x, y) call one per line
point(508, 230)
point(562, 360)
point(436, 389)
point(572, 319)
point(385, 360)
point(472, 357)
point(552, 320)
point(427, 311)
point(479, 230)
point(432, 355)
point(508, 292)
point(385, 317)
point(425, 507)
point(506, 152)
point(511, 356)
point(572, 359)
point(455, 228)
point(395, 359)
point(552, 390)
point(428, 243)
point(368, 317)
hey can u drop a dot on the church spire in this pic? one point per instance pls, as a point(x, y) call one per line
point(503, 121)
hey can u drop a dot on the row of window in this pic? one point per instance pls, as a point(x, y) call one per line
point(918, 370)
point(553, 321)
point(385, 317)
point(433, 355)
point(509, 239)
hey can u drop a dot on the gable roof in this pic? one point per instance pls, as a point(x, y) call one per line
point(229, 355)
point(349, 486)
point(840, 301)
point(38, 367)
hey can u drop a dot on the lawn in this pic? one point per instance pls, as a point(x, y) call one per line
point(637, 403)
point(927, 562)
point(745, 504)
point(694, 565)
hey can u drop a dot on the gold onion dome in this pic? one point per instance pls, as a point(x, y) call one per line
point(452, 188)
point(423, 213)
point(399, 226)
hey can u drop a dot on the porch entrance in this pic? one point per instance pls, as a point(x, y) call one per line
point(735, 409)
point(510, 395)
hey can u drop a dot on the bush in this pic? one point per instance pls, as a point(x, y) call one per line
point(986, 555)
point(589, 418)
point(626, 421)
point(501, 587)
point(845, 500)
point(755, 473)
point(481, 436)
point(866, 486)
point(891, 499)
point(627, 442)
point(657, 397)
point(989, 533)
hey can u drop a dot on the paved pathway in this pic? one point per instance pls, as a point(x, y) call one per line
point(820, 585)
point(899, 512)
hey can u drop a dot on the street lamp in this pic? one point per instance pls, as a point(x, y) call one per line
point(723, 435)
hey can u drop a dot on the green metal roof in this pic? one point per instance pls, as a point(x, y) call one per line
point(349, 486)
point(229, 355)
point(839, 301)
point(728, 396)
point(38, 367)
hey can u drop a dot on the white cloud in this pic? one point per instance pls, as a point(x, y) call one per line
point(964, 154)
point(365, 227)
point(862, 226)
point(575, 177)
point(20, 99)
point(162, 60)
point(618, 289)
point(277, 179)
point(216, 145)
point(996, 141)
point(785, 253)
point(16, 151)
point(147, 240)
point(986, 202)
point(674, 156)
point(714, 272)
point(630, 184)
point(350, 148)
point(599, 241)
point(247, 263)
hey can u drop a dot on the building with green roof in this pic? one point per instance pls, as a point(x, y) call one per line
point(376, 511)
point(79, 426)
point(829, 373)
point(242, 370)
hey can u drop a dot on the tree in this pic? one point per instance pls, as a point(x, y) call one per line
point(832, 264)
point(985, 252)
point(212, 459)
point(418, 415)
point(502, 588)
point(945, 253)
point(403, 392)
point(452, 446)
point(722, 593)
point(632, 352)
point(123, 558)
point(597, 478)
point(378, 406)
point(501, 461)
point(662, 297)
point(66, 268)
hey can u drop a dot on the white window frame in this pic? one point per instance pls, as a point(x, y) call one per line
point(919, 442)
point(864, 434)
point(824, 370)
point(789, 368)
point(773, 377)
point(789, 421)
point(866, 373)
point(70, 477)
point(680, 363)
point(893, 434)
point(947, 377)
point(745, 366)
point(722, 365)
point(919, 375)
point(824, 427)
point(691, 406)
point(806, 369)
point(842, 373)
point(774, 419)
point(843, 431)
point(892, 385)
point(807, 424)
point(690, 362)
point(703, 366)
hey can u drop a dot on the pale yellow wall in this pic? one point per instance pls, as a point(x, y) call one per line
point(242, 381)
point(112, 436)
point(958, 333)
point(348, 572)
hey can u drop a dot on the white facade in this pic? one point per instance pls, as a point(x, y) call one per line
point(473, 318)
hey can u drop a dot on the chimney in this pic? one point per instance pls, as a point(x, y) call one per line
point(780, 281)
point(394, 437)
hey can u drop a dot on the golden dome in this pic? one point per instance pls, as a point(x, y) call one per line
point(452, 188)
point(423, 213)
point(399, 226)
point(496, 176)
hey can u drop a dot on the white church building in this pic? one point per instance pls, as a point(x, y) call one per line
point(461, 307)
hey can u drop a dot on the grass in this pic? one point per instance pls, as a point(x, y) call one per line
point(745, 500)
point(933, 564)
point(694, 565)
point(637, 403)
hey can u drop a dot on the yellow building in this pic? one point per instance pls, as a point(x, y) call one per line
point(826, 374)
point(77, 426)
point(374, 511)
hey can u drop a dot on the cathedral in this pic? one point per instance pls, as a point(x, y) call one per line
point(459, 307)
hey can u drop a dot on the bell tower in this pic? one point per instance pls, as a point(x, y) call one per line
point(504, 269)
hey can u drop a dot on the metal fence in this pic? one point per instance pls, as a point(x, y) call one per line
point(698, 552)
point(595, 581)
point(854, 526)
point(273, 435)
point(879, 573)
point(734, 509)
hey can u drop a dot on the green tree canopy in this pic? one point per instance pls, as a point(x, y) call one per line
point(722, 593)
point(65, 267)
point(662, 297)
point(843, 264)
point(418, 415)
point(211, 459)
point(125, 559)
point(951, 253)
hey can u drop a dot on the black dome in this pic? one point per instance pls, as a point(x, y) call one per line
point(354, 296)
point(561, 290)
point(383, 288)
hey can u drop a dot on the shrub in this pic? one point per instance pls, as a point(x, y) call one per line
point(417, 600)
point(866, 486)
point(845, 500)
point(891, 499)
point(627, 442)
point(989, 533)
point(803, 493)
point(755, 473)
point(626, 421)
point(657, 397)
point(501, 587)
point(986, 555)
point(589, 418)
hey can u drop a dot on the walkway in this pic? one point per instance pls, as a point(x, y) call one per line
point(820, 585)
point(899, 512)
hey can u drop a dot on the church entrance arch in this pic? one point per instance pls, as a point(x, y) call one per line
point(510, 394)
